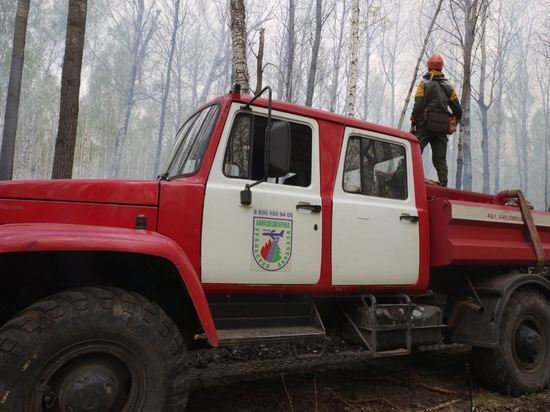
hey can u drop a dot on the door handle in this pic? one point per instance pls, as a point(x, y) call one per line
point(408, 218)
point(308, 207)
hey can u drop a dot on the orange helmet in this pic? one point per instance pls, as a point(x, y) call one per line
point(435, 62)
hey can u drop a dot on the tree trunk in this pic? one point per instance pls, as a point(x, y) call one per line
point(238, 37)
point(290, 51)
point(166, 91)
point(523, 111)
point(417, 67)
point(543, 80)
point(338, 55)
point(546, 149)
point(352, 87)
point(484, 107)
point(314, 52)
point(14, 91)
point(464, 157)
point(260, 62)
point(499, 114)
point(70, 91)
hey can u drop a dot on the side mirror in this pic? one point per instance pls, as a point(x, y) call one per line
point(278, 155)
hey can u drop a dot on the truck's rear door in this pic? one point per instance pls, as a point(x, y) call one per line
point(375, 219)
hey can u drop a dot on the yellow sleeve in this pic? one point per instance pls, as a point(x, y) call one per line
point(453, 95)
point(420, 90)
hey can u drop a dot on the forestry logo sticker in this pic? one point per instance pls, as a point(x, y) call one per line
point(272, 239)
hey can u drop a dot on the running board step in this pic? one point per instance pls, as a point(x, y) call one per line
point(253, 319)
point(261, 335)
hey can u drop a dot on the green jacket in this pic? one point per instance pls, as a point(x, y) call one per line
point(426, 97)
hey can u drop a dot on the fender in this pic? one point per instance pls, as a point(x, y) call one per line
point(29, 237)
point(482, 328)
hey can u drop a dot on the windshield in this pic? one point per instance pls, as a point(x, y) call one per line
point(191, 142)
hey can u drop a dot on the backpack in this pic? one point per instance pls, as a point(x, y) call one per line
point(436, 115)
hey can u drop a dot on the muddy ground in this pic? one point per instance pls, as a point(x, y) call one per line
point(430, 381)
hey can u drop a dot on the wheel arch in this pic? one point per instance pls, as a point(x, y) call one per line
point(480, 328)
point(42, 259)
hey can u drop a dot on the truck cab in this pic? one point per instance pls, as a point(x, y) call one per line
point(350, 192)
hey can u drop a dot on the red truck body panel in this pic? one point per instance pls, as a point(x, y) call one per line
point(471, 234)
point(122, 192)
point(88, 202)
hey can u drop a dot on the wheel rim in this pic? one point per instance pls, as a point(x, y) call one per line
point(88, 377)
point(529, 341)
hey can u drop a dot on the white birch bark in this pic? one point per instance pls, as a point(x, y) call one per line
point(291, 45)
point(354, 49)
point(238, 40)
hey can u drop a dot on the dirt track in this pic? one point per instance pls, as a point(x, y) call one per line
point(434, 381)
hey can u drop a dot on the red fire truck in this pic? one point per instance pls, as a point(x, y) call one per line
point(271, 222)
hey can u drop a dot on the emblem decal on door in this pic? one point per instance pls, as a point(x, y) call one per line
point(272, 239)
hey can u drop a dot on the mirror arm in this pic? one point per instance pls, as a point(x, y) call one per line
point(246, 194)
point(247, 106)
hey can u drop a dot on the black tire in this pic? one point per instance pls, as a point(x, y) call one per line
point(93, 346)
point(521, 362)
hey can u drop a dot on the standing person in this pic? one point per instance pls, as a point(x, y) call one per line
point(430, 118)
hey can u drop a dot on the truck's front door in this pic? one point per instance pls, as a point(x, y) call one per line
point(375, 231)
point(277, 239)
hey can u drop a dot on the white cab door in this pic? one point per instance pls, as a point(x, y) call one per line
point(275, 240)
point(375, 221)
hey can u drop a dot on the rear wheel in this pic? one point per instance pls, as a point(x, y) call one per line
point(92, 349)
point(521, 362)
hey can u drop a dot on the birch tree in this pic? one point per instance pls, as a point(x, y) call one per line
point(315, 52)
point(11, 116)
point(290, 50)
point(238, 37)
point(354, 49)
point(70, 90)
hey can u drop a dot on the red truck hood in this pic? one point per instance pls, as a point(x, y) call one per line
point(123, 192)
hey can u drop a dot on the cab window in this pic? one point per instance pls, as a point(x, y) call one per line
point(375, 168)
point(245, 152)
point(192, 140)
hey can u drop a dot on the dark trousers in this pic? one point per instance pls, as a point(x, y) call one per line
point(439, 154)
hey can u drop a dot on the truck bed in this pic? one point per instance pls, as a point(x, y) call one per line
point(474, 230)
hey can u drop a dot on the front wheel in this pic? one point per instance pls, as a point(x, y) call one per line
point(521, 362)
point(92, 349)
